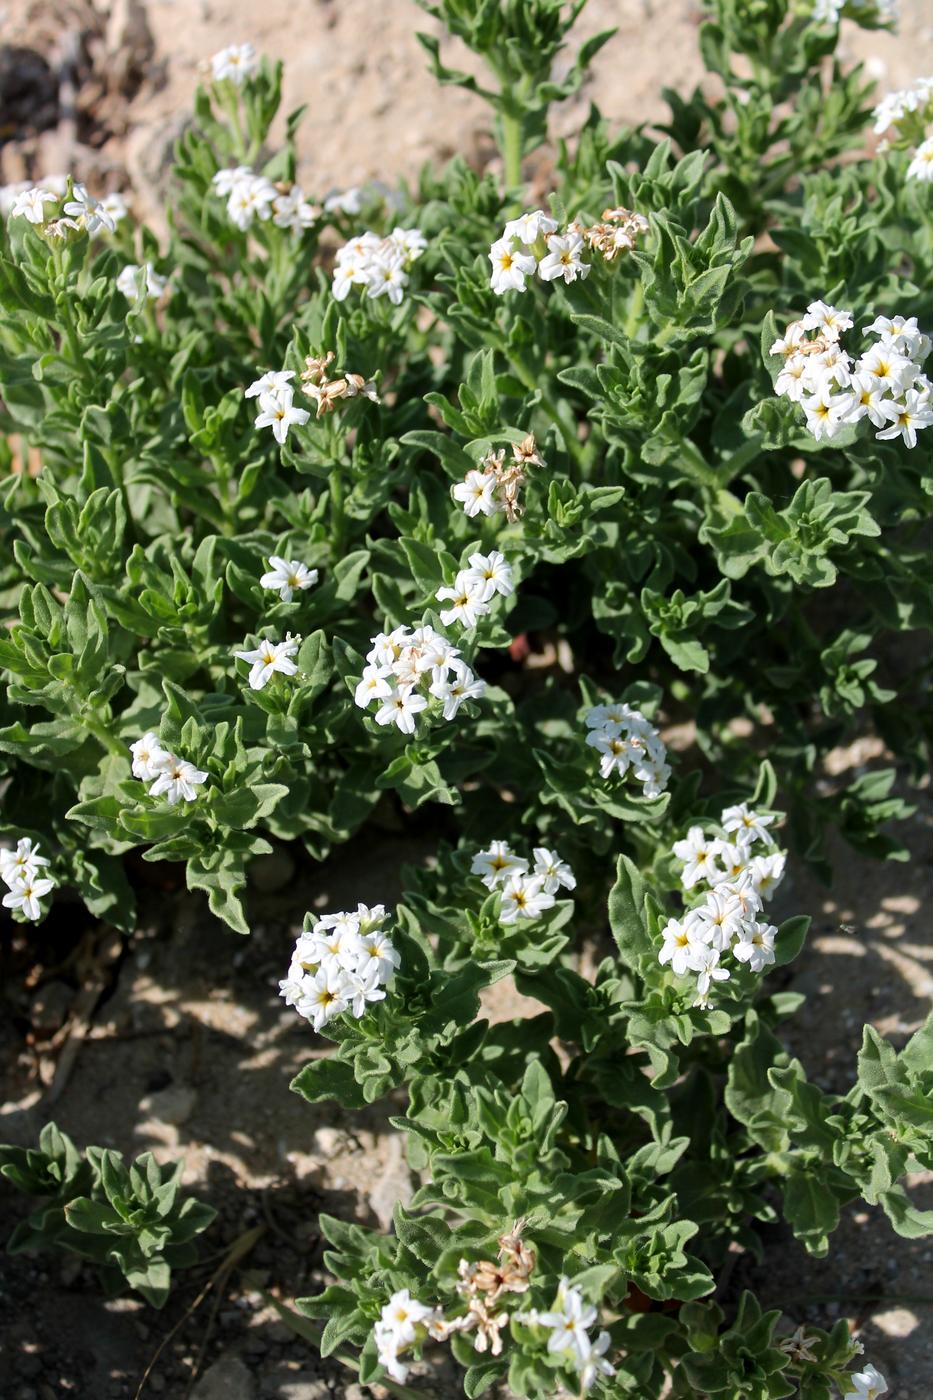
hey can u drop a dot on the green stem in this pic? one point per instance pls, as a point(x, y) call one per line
point(335, 485)
point(636, 306)
point(512, 148)
point(571, 442)
point(103, 735)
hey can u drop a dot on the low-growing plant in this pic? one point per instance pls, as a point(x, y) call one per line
point(603, 1157)
point(131, 1222)
point(441, 498)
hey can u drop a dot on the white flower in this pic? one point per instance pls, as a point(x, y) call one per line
point(458, 685)
point(529, 227)
point(466, 598)
point(287, 575)
point(363, 987)
point(403, 1313)
point(789, 344)
point(554, 871)
point(901, 334)
point(25, 862)
point(908, 416)
point(235, 64)
point(410, 242)
point(755, 945)
point(864, 399)
point(344, 201)
point(492, 574)
point(828, 320)
point(568, 1320)
point(376, 950)
point(698, 853)
point(563, 258)
point(682, 938)
point(794, 379)
point(325, 995)
point(115, 205)
point(226, 180)
point(250, 198)
point(153, 284)
point(293, 211)
point(869, 1384)
point(177, 781)
point(509, 267)
point(523, 897)
point(733, 858)
point(276, 411)
point(388, 279)
point(274, 381)
point(29, 205)
point(705, 962)
point(497, 863)
point(615, 750)
point(824, 411)
point(477, 493)
point(374, 684)
point(886, 368)
point(591, 1361)
point(922, 164)
point(721, 918)
point(26, 890)
point(88, 211)
point(400, 707)
point(149, 757)
point(268, 658)
point(767, 872)
point(752, 825)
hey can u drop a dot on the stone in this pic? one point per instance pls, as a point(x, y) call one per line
point(49, 1007)
point(172, 1105)
point(394, 1185)
point(227, 1379)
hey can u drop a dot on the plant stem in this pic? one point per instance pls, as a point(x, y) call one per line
point(102, 734)
point(512, 149)
point(572, 443)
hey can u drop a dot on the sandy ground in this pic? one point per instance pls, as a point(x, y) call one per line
point(374, 111)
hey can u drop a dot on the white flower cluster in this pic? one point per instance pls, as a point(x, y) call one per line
point(568, 1322)
point(250, 197)
point(909, 113)
point(884, 12)
point(884, 384)
point(405, 1322)
point(341, 963)
point(234, 64)
point(405, 669)
point(869, 1384)
point(270, 657)
point(474, 589)
point(152, 288)
point(525, 894)
point(627, 742)
point(496, 488)
point(172, 778)
point(21, 872)
point(82, 213)
point(737, 879)
point(380, 265)
point(531, 244)
point(276, 394)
